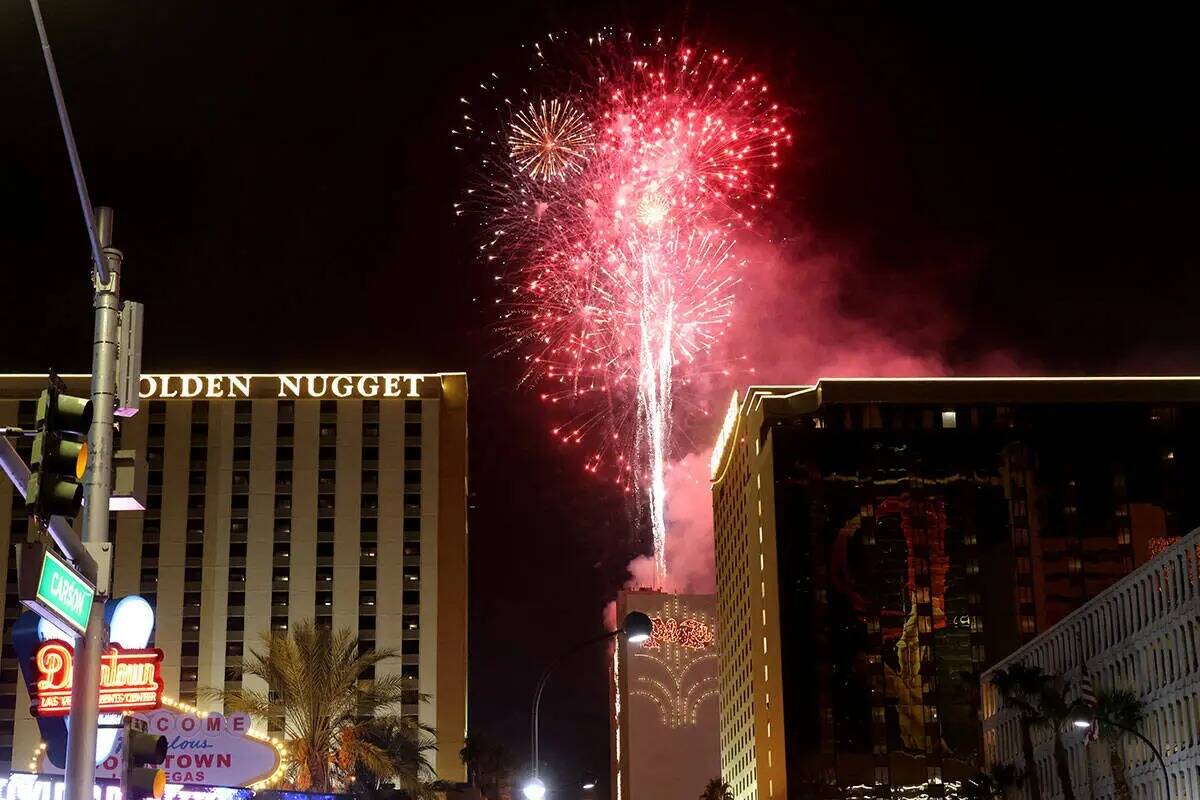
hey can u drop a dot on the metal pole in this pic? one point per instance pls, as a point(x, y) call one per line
point(541, 685)
point(1153, 749)
point(85, 201)
point(85, 676)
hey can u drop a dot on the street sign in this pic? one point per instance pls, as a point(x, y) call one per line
point(53, 590)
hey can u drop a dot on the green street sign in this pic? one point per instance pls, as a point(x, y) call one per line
point(62, 595)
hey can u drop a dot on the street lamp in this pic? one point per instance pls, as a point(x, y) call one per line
point(1084, 723)
point(636, 628)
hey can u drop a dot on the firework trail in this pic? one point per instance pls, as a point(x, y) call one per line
point(613, 190)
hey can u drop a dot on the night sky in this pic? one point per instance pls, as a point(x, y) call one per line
point(1022, 181)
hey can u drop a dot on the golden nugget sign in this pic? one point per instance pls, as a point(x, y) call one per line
point(300, 386)
point(130, 680)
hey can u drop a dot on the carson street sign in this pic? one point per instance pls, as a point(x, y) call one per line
point(61, 594)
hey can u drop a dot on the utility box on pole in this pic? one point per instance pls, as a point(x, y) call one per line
point(129, 358)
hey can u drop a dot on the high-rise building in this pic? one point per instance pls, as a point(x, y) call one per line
point(1140, 635)
point(878, 542)
point(664, 700)
point(279, 498)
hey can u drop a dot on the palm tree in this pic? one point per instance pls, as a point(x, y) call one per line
point(1021, 688)
point(409, 745)
point(327, 710)
point(1123, 708)
point(1056, 714)
point(717, 789)
point(994, 784)
point(488, 762)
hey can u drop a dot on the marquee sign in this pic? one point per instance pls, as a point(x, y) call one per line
point(297, 386)
point(130, 679)
point(203, 749)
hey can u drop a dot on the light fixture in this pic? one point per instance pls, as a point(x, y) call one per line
point(587, 787)
point(534, 789)
point(637, 627)
point(1082, 723)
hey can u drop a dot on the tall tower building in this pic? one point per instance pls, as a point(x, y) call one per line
point(881, 542)
point(279, 498)
point(664, 700)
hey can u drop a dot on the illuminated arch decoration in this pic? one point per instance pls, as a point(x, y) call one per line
point(681, 644)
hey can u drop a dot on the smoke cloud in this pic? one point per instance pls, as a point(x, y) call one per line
point(801, 315)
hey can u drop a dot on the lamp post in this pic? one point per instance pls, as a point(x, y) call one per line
point(636, 628)
point(1084, 723)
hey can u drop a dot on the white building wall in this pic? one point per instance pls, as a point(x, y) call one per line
point(1141, 634)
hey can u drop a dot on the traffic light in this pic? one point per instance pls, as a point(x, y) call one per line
point(141, 778)
point(59, 457)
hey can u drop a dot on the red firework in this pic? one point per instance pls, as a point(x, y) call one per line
point(614, 209)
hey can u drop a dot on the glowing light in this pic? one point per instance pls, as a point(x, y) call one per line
point(677, 653)
point(619, 275)
point(534, 789)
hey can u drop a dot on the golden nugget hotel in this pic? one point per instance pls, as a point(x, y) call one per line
point(278, 498)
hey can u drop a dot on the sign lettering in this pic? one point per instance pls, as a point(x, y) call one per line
point(63, 592)
point(130, 680)
point(299, 386)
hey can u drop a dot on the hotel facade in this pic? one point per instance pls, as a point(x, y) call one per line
point(274, 499)
point(1142, 634)
point(664, 699)
point(877, 540)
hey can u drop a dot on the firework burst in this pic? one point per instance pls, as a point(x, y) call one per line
point(614, 212)
point(550, 140)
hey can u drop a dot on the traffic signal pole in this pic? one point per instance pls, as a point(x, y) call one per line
point(106, 270)
point(85, 677)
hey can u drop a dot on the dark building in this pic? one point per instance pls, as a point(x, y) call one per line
point(881, 542)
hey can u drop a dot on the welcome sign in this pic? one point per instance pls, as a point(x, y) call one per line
point(210, 750)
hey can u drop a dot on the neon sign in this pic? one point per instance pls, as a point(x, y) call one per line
point(690, 633)
point(130, 680)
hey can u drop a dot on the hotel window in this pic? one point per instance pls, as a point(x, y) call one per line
point(370, 480)
point(329, 406)
point(412, 430)
point(412, 453)
point(412, 407)
point(325, 550)
point(242, 408)
point(279, 598)
point(327, 454)
point(279, 574)
point(370, 505)
point(370, 457)
point(286, 410)
point(1074, 564)
point(240, 482)
point(327, 481)
point(412, 480)
point(1028, 624)
point(370, 409)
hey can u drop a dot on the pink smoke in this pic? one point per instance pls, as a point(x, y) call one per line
point(794, 325)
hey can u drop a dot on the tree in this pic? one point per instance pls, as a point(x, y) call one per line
point(329, 713)
point(717, 789)
point(409, 745)
point(1123, 708)
point(994, 784)
point(489, 765)
point(1021, 688)
point(1056, 714)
